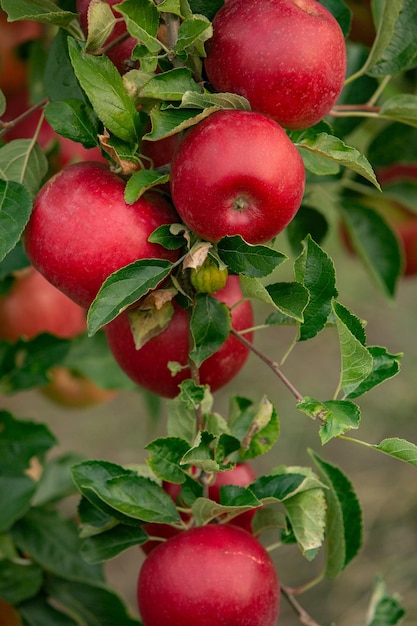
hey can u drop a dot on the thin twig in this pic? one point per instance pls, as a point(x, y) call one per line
point(6, 126)
point(271, 364)
point(303, 616)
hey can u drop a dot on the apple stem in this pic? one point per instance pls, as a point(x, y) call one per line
point(273, 365)
point(303, 616)
point(8, 125)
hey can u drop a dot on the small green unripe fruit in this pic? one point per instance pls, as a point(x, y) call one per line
point(208, 278)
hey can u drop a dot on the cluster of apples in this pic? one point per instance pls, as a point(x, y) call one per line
point(235, 173)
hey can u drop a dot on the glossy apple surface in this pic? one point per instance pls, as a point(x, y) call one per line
point(34, 306)
point(81, 229)
point(14, 36)
point(148, 367)
point(120, 54)
point(213, 575)
point(287, 57)
point(237, 173)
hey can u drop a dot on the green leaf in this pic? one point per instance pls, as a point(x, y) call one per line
point(314, 269)
point(399, 49)
point(402, 108)
point(333, 148)
point(384, 608)
point(307, 221)
point(14, 506)
point(384, 366)
point(53, 543)
point(74, 120)
point(201, 454)
point(141, 181)
point(165, 456)
point(101, 21)
point(142, 21)
point(124, 287)
point(214, 101)
point(289, 298)
point(38, 612)
point(234, 501)
point(182, 410)
point(375, 243)
point(208, 8)
point(343, 519)
point(399, 449)
point(170, 85)
point(56, 482)
point(193, 31)
point(166, 238)
point(104, 87)
point(337, 416)
point(19, 581)
point(356, 360)
point(394, 143)
point(91, 604)
point(20, 441)
point(15, 210)
point(59, 78)
point(37, 10)
point(111, 543)
point(210, 326)
point(341, 12)
point(250, 260)
point(23, 161)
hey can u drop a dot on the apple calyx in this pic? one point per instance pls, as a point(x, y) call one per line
point(240, 204)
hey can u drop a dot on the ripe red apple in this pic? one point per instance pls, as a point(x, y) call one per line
point(211, 576)
point(34, 306)
point(59, 150)
point(81, 229)
point(237, 173)
point(241, 475)
point(287, 57)
point(14, 37)
point(148, 367)
point(120, 54)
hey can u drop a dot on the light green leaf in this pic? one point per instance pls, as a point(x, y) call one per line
point(402, 108)
point(343, 518)
point(38, 10)
point(101, 21)
point(384, 609)
point(193, 31)
point(124, 287)
point(142, 20)
point(141, 181)
point(170, 85)
point(210, 326)
point(337, 416)
point(384, 366)
point(333, 148)
point(15, 210)
point(23, 161)
point(399, 449)
point(194, 100)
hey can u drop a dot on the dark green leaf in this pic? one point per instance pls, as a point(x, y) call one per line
point(124, 287)
point(170, 85)
point(91, 604)
point(107, 545)
point(314, 269)
point(289, 298)
point(141, 181)
point(38, 10)
point(202, 453)
point(402, 108)
point(19, 581)
point(384, 366)
point(255, 261)
point(210, 326)
point(16, 493)
point(395, 143)
point(307, 221)
point(165, 456)
point(38, 612)
point(104, 87)
point(56, 482)
point(343, 520)
point(166, 238)
point(15, 210)
point(74, 120)
point(15, 260)
point(384, 609)
point(142, 21)
point(19, 442)
point(208, 8)
point(53, 543)
point(182, 422)
point(375, 243)
point(60, 80)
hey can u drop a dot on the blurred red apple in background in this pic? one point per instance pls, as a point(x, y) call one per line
point(14, 37)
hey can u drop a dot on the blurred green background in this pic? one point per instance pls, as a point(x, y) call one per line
point(387, 489)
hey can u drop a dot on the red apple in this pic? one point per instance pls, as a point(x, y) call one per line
point(148, 367)
point(60, 150)
point(34, 306)
point(237, 173)
point(287, 57)
point(120, 54)
point(210, 575)
point(14, 36)
point(81, 229)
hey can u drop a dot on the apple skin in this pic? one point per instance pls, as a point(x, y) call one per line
point(213, 575)
point(60, 151)
point(34, 306)
point(13, 66)
point(81, 229)
point(148, 367)
point(249, 183)
point(121, 53)
point(241, 475)
point(287, 57)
